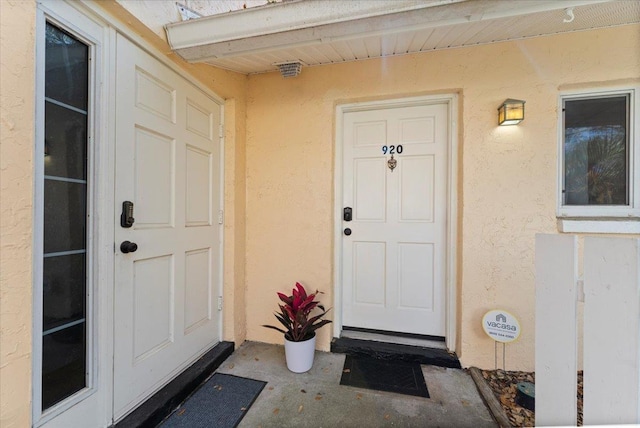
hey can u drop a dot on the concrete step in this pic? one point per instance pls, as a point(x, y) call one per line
point(393, 351)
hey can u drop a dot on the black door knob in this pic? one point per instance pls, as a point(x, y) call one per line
point(347, 231)
point(128, 247)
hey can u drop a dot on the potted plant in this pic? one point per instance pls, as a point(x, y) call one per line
point(299, 327)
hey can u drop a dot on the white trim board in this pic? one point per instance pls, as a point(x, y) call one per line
point(451, 100)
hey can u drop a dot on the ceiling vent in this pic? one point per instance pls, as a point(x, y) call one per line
point(290, 69)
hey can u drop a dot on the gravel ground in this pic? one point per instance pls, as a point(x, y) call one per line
point(503, 383)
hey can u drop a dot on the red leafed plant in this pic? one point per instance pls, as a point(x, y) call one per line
point(294, 315)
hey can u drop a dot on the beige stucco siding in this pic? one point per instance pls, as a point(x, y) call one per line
point(507, 175)
point(17, 76)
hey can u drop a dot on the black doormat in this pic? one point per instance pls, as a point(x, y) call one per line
point(221, 402)
point(391, 376)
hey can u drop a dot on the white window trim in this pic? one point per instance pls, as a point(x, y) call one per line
point(603, 219)
point(83, 404)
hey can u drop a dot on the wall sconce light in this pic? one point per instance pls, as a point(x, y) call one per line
point(511, 112)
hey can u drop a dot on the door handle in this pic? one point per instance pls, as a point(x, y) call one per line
point(128, 247)
point(347, 231)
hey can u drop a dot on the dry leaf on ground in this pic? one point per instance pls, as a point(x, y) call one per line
point(503, 383)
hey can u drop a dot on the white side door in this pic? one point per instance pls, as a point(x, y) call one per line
point(168, 166)
point(394, 259)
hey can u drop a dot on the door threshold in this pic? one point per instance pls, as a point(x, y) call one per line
point(399, 339)
point(440, 357)
point(160, 405)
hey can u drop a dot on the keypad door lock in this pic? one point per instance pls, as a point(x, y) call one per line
point(347, 214)
point(126, 218)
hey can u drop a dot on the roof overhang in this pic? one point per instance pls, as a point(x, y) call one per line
point(284, 27)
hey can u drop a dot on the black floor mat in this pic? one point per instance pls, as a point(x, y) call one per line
point(220, 402)
point(392, 376)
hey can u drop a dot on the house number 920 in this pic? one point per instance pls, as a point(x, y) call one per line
point(392, 149)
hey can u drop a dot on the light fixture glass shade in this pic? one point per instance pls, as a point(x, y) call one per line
point(511, 112)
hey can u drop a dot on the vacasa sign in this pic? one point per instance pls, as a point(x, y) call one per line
point(501, 326)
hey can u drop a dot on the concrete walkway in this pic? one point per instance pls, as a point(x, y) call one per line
point(316, 398)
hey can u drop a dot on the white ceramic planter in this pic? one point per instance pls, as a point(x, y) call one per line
point(300, 355)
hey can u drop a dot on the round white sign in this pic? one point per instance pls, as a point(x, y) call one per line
point(501, 326)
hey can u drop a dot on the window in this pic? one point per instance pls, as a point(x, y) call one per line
point(599, 167)
point(69, 244)
point(64, 222)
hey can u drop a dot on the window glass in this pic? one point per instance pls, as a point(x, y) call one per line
point(67, 62)
point(63, 363)
point(65, 142)
point(65, 215)
point(596, 153)
point(64, 278)
point(64, 292)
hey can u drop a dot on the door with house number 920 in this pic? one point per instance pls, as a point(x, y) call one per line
point(167, 232)
point(395, 182)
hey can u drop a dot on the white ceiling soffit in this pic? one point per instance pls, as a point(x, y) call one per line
point(320, 32)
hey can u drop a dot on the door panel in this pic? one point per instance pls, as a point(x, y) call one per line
point(197, 289)
point(152, 303)
point(154, 179)
point(369, 279)
point(198, 187)
point(370, 194)
point(394, 260)
point(168, 165)
point(415, 275)
point(417, 189)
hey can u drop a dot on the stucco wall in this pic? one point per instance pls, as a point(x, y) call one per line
point(17, 67)
point(507, 175)
point(17, 21)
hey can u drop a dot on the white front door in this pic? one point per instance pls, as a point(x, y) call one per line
point(168, 167)
point(394, 260)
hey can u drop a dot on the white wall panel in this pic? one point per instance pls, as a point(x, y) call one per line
point(611, 331)
point(556, 326)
